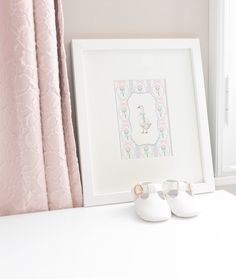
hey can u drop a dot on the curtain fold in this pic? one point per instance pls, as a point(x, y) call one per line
point(38, 163)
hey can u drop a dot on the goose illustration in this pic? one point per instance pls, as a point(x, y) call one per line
point(144, 122)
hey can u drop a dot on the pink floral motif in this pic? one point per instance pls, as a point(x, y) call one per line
point(122, 87)
point(126, 132)
point(140, 86)
point(129, 151)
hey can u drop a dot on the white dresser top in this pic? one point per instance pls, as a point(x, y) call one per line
point(110, 242)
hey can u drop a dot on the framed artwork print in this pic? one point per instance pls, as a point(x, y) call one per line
point(143, 119)
point(141, 115)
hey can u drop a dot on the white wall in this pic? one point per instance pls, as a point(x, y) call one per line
point(137, 19)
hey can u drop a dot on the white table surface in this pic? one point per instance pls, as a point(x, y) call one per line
point(110, 242)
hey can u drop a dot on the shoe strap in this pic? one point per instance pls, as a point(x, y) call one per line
point(177, 185)
point(146, 188)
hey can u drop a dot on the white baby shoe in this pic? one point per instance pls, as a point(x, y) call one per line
point(150, 202)
point(180, 198)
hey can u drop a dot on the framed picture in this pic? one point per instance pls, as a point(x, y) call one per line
point(142, 116)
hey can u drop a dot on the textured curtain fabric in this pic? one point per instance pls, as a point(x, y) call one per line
point(38, 163)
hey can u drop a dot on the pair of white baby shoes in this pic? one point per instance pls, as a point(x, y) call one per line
point(155, 201)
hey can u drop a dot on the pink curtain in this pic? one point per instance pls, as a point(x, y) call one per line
point(38, 163)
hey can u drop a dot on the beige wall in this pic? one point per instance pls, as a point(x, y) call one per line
point(137, 19)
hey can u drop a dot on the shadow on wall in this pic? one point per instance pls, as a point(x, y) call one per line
point(229, 188)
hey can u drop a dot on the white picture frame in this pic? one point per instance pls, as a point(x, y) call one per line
point(98, 64)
